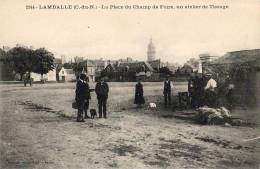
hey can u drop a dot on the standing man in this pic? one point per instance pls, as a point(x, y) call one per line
point(167, 92)
point(82, 97)
point(210, 92)
point(86, 102)
point(30, 79)
point(198, 91)
point(102, 90)
point(230, 93)
point(202, 82)
point(191, 90)
point(27, 79)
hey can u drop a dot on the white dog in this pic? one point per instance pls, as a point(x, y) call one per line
point(152, 105)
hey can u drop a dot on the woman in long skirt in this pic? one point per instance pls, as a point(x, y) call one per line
point(139, 94)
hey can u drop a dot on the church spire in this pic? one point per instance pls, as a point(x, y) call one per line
point(151, 51)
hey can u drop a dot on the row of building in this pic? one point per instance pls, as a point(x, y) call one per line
point(115, 70)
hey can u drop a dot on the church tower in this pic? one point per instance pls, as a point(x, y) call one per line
point(151, 51)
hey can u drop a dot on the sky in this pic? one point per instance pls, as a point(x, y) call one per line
point(178, 34)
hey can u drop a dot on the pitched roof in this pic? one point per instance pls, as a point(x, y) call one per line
point(134, 66)
point(110, 67)
point(97, 63)
point(242, 56)
point(158, 61)
point(187, 65)
point(87, 63)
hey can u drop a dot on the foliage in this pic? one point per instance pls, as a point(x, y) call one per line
point(21, 59)
point(78, 68)
point(6, 68)
point(68, 65)
point(193, 62)
point(234, 72)
point(240, 72)
point(44, 61)
point(2, 55)
point(104, 73)
point(165, 71)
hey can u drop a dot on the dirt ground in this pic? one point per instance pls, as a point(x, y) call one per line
point(38, 130)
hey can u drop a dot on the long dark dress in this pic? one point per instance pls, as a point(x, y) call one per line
point(139, 94)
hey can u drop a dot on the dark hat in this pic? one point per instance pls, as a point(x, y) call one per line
point(208, 74)
point(83, 76)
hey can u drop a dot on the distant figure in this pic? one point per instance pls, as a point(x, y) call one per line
point(210, 92)
point(167, 92)
point(139, 94)
point(27, 79)
point(102, 90)
point(199, 84)
point(86, 102)
point(230, 93)
point(191, 90)
point(82, 97)
point(230, 96)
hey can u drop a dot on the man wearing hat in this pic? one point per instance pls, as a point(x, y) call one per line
point(193, 90)
point(102, 90)
point(167, 91)
point(210, 91)
point(82, 96)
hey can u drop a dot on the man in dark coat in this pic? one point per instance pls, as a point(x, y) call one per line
point(167, 92)
point(27, 79)
point(191, 91)
point(139, 94)
point(200, 92)
point(230, 93)
point(102, 90)
point(86, 103)
point(197, 91)
point(82, 97)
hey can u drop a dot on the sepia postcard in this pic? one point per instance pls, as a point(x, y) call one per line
point(130, 84)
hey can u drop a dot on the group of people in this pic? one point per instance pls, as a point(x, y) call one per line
point(83, 96)
point(202, 91)
point(139, 93)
